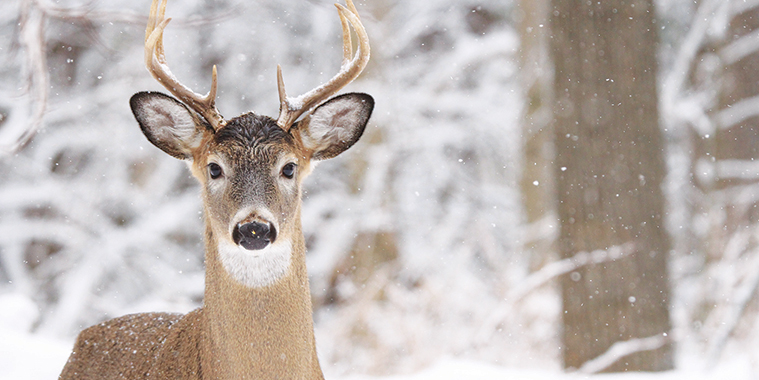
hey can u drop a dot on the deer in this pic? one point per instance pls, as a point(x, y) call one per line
point(256, 319)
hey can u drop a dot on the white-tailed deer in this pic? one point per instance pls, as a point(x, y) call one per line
point(256, 319)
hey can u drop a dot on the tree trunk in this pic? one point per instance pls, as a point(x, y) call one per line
point(609, 170)
point(535, 76)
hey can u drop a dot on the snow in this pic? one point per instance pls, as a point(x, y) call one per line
point(24, 355)
point(31, 357)
point(96, 223)
point(457, 369)
point(453, 369)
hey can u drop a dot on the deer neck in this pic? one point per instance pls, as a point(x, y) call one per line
point(258, 332)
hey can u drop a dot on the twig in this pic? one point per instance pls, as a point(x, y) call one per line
point(735, 310)
point(20, 130)
point(675, 80)
point(621, 349)
point(88, 13)
point(31, 26)
point(739, 111)
point(558, 268)
point(546, 274)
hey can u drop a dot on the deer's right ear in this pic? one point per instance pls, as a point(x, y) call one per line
point(168, 123)
point(335, 125)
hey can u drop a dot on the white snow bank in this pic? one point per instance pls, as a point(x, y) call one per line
point(24, 355)
point(31, 357)
point(450, 369)
point(34, 356)
point(457, 369)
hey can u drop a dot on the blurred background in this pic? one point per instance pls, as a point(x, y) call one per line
point(560, 185)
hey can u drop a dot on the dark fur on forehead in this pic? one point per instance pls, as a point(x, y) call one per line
point(251, 130)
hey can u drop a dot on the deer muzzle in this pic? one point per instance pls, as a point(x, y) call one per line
point(254, 235)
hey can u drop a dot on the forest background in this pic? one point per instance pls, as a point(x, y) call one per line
point(445, 235)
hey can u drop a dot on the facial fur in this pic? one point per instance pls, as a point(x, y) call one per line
point(251, 152)
point(250, 169)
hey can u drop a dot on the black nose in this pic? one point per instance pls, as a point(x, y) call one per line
point(254, 235)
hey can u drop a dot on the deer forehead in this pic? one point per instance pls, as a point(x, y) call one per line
point(252, 139)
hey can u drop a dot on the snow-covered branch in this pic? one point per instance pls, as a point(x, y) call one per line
point(561, 267)
point(738, 111)
point(621, 349)
point(18, 130)
point(546, 274)
point(735, 309)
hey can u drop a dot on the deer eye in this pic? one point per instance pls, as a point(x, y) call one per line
point(289, 170)
point(214, 170)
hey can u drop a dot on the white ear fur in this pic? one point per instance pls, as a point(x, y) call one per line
point(336, 125)
point(167, 123)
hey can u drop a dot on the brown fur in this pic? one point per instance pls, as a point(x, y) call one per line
point(241, 332)
point(256, 322)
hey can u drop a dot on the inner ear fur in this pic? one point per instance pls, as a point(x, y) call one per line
point(336, 125)
point(168, 123)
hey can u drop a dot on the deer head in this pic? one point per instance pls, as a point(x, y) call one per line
point(251, 167)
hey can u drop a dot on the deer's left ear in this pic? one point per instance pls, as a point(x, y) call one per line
point(168, 123)
point(336, 125)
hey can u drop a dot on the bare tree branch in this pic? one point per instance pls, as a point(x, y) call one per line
point(17, 133)
point(18, 130)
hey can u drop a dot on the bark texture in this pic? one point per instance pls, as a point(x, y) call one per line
point(609, 169)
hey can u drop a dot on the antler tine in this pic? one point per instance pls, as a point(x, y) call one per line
point(347, 43)
point(155, 61)
point(283, 103)
point(292, 108)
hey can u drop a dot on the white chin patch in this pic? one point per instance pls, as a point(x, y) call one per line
point(256, 268)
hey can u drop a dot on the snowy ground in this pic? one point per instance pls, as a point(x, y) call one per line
point(27, 356)
point(440, 87)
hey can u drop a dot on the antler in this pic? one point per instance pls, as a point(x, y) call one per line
point(290, 109)
point(155, 61)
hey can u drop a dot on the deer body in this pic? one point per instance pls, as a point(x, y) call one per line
point(256, 320)
point(200, 345)
point(240, 332)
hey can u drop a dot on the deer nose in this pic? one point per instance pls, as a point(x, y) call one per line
point(254, 235)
